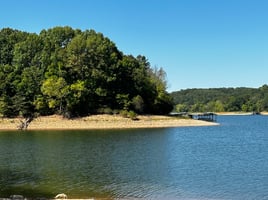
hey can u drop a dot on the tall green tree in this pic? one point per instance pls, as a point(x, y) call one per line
point(8, 39)
point(56, 90)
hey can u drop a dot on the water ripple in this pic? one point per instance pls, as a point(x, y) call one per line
point(199, 163)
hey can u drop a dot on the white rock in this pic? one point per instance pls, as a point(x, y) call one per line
point(61, 196)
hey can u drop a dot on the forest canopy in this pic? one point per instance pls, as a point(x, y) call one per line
point(75, 73)
point(222, 100)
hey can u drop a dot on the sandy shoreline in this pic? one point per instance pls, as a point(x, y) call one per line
point(56, 122)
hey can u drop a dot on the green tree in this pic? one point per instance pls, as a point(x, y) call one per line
point(8, 39)
point(163, 102)
point(219, 107)
point(56, 90)
point(181, 108)
point(27, 90)
point(74, 72)
point(198, 107)
point(27, 53)
point(138, 104)
point(76, 99)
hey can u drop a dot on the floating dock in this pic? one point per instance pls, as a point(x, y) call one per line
point(208, 116)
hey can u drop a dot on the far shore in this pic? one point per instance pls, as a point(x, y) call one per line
point(239, 113)
point(56, 122)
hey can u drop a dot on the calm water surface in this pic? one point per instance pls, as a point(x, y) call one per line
point(229, 161)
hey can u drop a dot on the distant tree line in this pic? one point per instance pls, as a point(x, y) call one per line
point(75, 73)
point(221, 100)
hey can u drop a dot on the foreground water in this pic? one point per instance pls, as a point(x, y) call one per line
point(229, 161)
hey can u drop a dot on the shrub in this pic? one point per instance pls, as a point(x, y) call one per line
point(129, 114)
point(132, 115)
point(124, 113)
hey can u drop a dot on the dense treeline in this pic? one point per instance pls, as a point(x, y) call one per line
point(222, 100)
point(74, 73)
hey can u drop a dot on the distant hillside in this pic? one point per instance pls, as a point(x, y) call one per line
point(221, 99)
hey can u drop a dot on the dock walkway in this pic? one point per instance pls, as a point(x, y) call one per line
point(208, 116)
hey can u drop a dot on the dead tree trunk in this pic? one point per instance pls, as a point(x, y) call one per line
point(25, 123)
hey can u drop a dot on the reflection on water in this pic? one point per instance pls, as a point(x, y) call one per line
point(223, 162)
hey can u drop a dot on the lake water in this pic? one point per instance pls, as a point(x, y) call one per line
point(223, 162)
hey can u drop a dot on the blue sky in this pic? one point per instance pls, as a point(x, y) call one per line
point(199, 43)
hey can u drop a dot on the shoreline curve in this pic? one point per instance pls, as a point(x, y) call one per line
point(57, 122)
